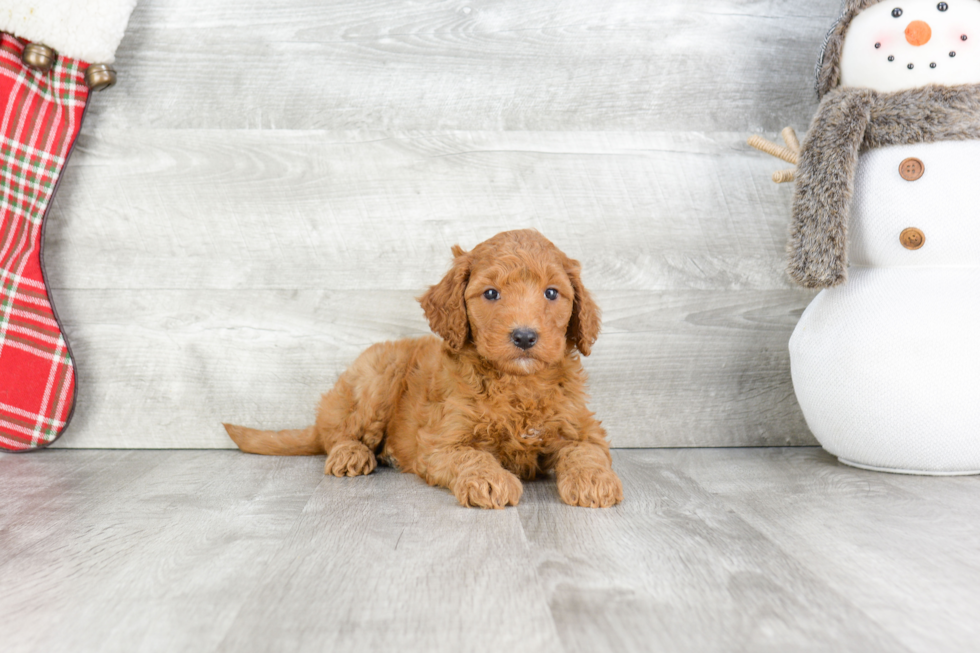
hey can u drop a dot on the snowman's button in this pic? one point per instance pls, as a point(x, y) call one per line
point(911, 169)
point(912, 238)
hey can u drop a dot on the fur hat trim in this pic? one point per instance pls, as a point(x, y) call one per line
point(828, 65)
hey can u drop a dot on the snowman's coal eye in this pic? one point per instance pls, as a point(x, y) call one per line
point(896, 12)
point(877, 45)
point(932, 65)
point(911, 66)
point(891, 57)
point(942, 6)
point(952, 54)
point(963, 38)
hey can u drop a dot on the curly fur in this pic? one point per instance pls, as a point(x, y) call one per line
point(473, 412)
point(849, 121)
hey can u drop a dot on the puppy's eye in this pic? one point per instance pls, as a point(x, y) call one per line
point(896, 12)
point(551, 294)
point(491, 294)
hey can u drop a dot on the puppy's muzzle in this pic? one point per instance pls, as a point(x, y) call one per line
point(524, 338)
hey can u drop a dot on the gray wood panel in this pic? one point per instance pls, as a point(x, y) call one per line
point(164, 368)
point(285, 209)
point(268, 186)
point(390, 564)
point(488, 64)
point(673, 569)
point(143, 551)
point(750, 549)
point(905, 549)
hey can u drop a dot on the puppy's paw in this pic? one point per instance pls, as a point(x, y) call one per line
point(590, 487)
point(350, 458)
point(482, 488)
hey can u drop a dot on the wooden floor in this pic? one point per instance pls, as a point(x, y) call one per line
point(713, 550)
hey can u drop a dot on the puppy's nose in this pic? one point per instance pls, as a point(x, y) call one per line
point(524, 338)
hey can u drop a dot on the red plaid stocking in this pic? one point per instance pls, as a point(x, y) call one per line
point(40, 115)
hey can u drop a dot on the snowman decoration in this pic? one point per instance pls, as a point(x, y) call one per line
point(886, 220)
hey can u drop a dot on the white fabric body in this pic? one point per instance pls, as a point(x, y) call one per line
point(886, 368)
point(89, 30)
point(863, 64)
point(938, 203)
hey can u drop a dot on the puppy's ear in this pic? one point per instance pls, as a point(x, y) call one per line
point(586, 320)
point(444, 305)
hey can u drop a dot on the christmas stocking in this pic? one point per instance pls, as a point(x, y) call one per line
point(43, 94)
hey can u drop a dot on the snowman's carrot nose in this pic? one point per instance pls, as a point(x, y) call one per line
point(918, 32)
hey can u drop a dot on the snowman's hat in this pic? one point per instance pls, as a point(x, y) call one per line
point(828, 67)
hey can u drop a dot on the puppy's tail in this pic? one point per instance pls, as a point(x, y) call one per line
point(293, 442)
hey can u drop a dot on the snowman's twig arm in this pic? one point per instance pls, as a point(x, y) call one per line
point(783, 176)
point(792, 142)
point(771, 148)
point(788, 154)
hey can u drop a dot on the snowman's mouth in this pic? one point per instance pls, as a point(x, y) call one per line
point(911, 65)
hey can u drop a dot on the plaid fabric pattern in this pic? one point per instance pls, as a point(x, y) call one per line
point(40, 115)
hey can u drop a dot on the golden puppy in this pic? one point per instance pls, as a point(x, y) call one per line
point(499, 399)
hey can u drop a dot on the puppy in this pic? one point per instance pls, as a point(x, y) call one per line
point(499, 399)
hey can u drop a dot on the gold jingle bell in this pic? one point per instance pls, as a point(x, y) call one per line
point(100, 76)
point(39, 57)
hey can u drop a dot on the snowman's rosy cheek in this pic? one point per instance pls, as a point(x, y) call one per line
point(958, 38)
point(883, 41)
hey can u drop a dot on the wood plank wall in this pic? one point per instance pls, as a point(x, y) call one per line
point(270, 185)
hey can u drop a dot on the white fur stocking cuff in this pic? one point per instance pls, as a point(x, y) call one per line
point(88, 30)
